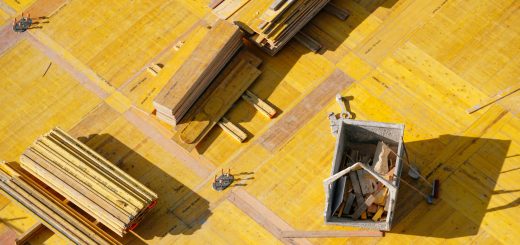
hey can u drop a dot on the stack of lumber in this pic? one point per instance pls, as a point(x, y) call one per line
point(227, 88)
point(46, 205)
point(282, 21)
point(197, 72)
point(89, 181)
point(360, 195)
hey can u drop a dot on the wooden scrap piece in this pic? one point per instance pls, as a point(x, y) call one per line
point(381, 158)
point(366, 182)
point(361, 209)
point(233, 130)
point(349, 203)
point(260, 105)
point(378, 214)
point(357, 188)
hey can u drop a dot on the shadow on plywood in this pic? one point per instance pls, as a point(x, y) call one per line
point(468, 169)
point(179, 209)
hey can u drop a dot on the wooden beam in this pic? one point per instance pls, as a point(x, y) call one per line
point(260, 105)
point(30, 233)
point(233, 130)
point(326, 234)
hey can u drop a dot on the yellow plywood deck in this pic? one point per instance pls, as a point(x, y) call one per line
point(417, 62)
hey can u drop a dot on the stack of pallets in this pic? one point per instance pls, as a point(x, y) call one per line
point(282, 21)
point(197, 73)
point(87, 180)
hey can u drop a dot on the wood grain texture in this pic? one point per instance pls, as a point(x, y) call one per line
point(282, 130)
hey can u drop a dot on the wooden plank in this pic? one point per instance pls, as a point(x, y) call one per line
point(378, 214)
point(262, 215)
point(366, 182)
point(260, 105)
point(279, 133)
point(361, 209)
point(357, 188)
point(331, 234)
point(232, 129)
point(30, 233)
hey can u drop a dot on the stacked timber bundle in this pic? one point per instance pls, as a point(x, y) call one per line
point(282, 21)
point(197, 72)
point(50, 208)
point(89, 181)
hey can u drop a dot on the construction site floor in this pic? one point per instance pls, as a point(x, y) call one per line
point(418, 62)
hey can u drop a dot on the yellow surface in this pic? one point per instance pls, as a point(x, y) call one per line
point(417, 62)
point(19, 5)
point(3, 17)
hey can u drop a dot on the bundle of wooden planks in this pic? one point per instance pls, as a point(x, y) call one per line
point(197, 72)
point(282, 21)
point(89, 181)
point(54, 211)
point(359, 195)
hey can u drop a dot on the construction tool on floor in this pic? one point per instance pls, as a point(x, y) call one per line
point(415, 174)
point(223, 181)
point(23, 24)
point(500, 95)
point(341, 102)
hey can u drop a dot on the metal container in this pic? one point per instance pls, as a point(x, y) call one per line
point(371, 133)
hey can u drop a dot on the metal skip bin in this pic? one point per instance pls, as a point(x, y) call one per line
point(346, 203)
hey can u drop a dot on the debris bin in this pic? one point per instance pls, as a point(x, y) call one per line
point(356, 162)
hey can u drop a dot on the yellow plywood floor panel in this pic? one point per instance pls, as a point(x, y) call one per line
point(420, 63)
point(3, 17)
point(34, 103)
point(19, 5)
point(116, 44)
point(229, 225)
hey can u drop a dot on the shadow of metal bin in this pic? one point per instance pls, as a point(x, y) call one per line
point(364, 132)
